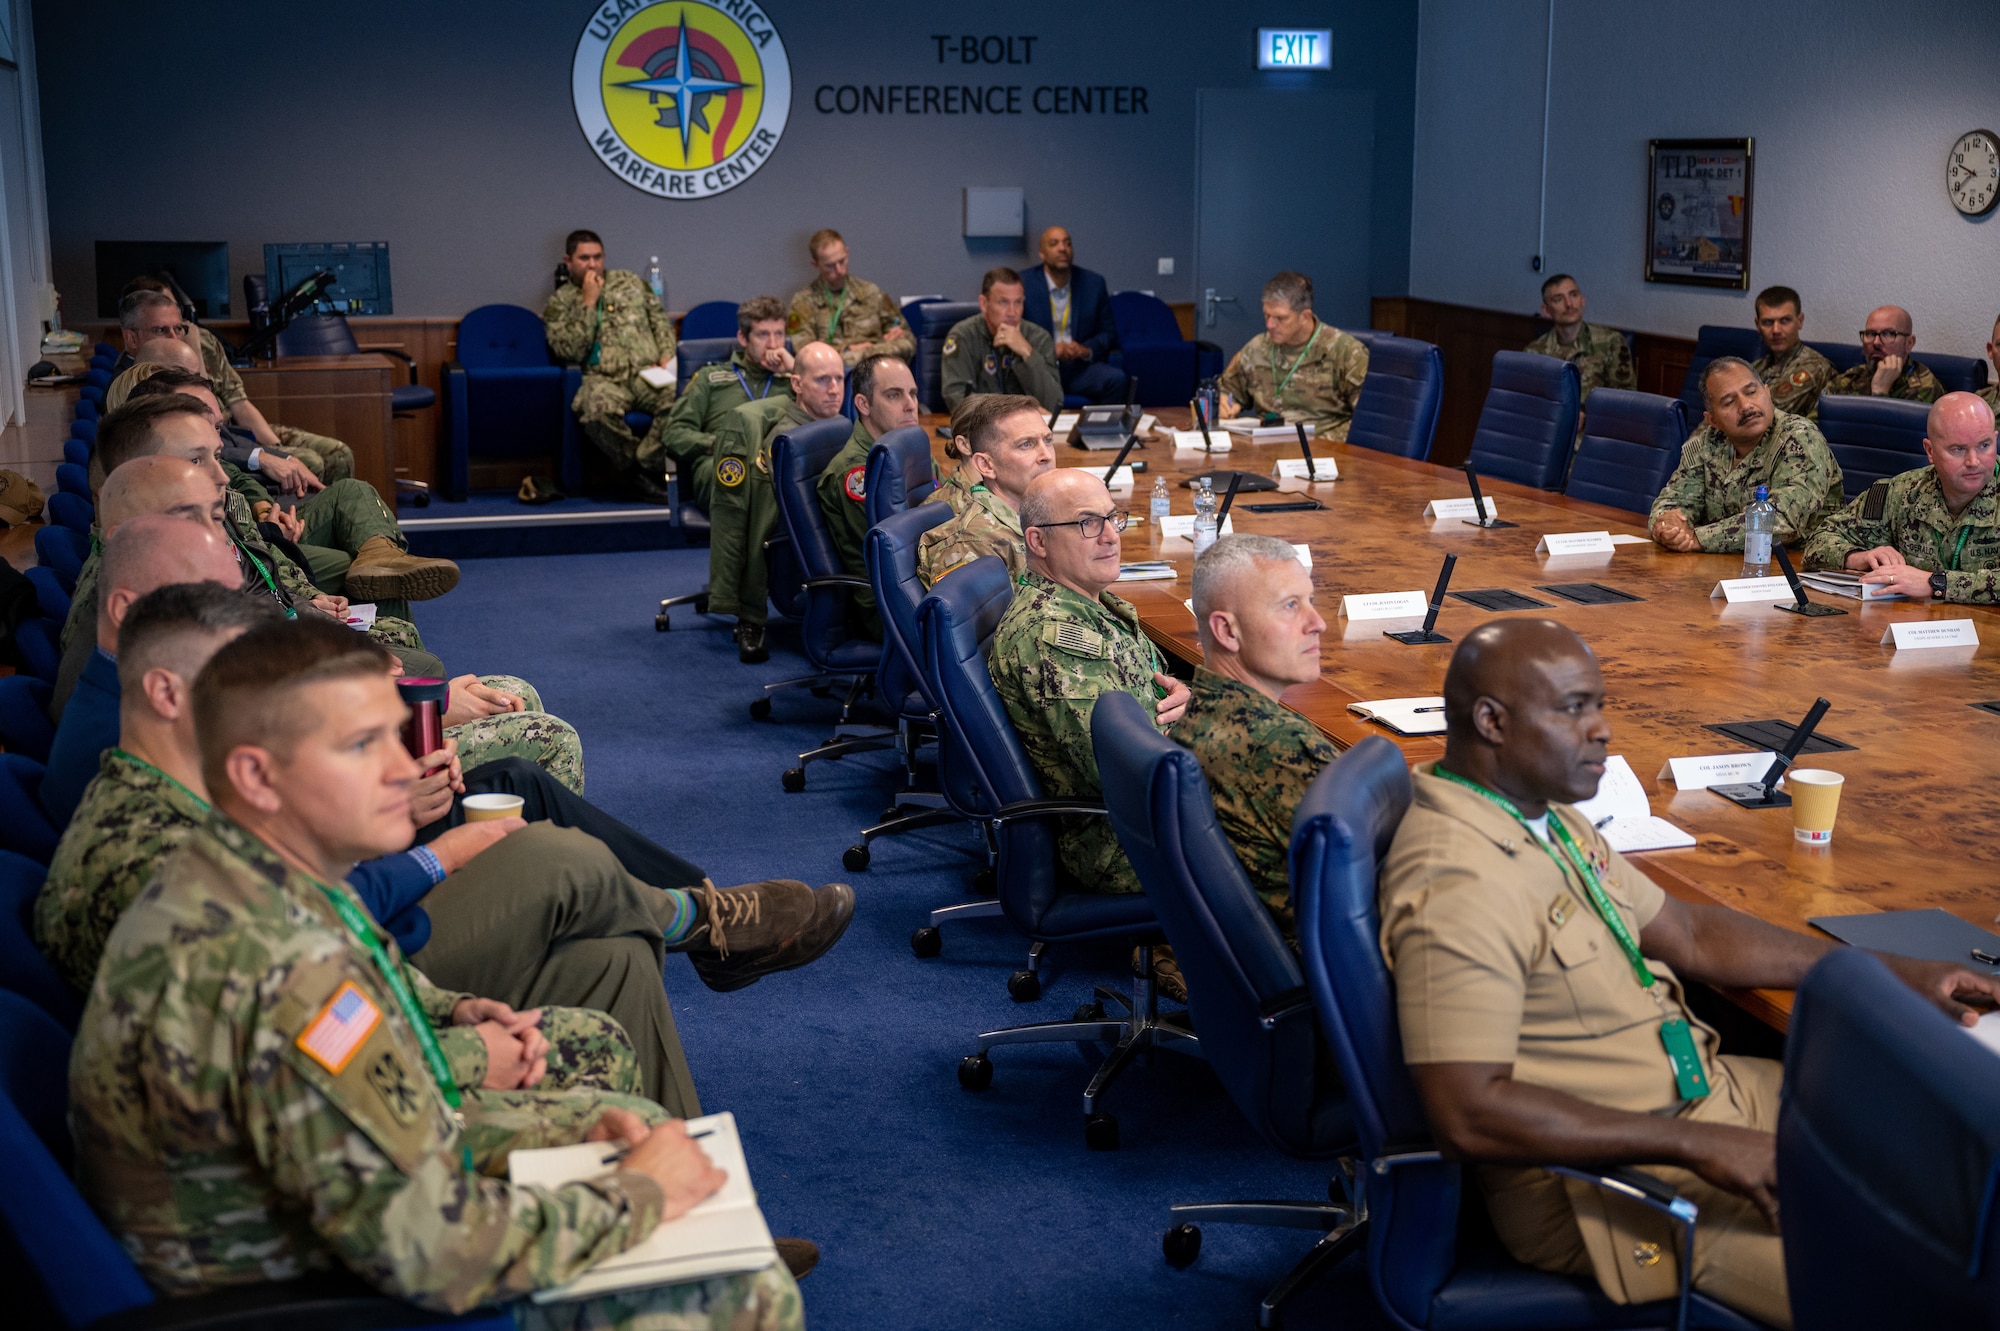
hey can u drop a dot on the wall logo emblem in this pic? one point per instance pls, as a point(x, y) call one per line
point(682, 98)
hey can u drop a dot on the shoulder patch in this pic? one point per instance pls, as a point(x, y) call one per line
point(1074, 639)
point(950, 346)
point(401, 1095)
point(856, 483)
point(346, 1020)
point(729, 472)
point(722, 376)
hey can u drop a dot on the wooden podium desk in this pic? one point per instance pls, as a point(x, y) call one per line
point(344, 397)
point(1922, 799)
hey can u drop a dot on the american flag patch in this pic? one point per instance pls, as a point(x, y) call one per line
point(340, 1028)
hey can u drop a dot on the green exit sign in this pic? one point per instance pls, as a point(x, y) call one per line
point(1294, 48)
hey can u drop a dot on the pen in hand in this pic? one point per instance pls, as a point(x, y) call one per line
point(1421, 710)
point(617, 1153)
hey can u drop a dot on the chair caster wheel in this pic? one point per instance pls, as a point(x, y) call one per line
point(701, 604)
point(1181, 1245)
point(1088, 1012)
point(854, 859)
point(1024, 986)
point(983, 884)
point(793, 779)
point(661, 623)
point(760, 709)
point(975, 1072)
point(926, 942)
point(423, 499)
point(1100, 1132)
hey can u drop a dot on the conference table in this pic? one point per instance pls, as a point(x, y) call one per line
point(1922, 798)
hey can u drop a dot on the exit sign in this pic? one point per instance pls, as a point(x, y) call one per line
point(1294, 48)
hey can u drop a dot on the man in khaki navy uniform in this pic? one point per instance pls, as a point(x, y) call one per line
point(854, 317)
point(994, 351)
point(885, 399)
point(759, 367)
point(1518, 941)
point(1793, 371)
point(1300, 367)
point(1600, 355)
point(1011, 446)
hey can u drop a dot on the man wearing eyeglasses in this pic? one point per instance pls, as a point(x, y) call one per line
point(1064, 641)
point(1887, 369)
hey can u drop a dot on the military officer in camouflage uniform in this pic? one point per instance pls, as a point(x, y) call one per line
point(1793, 371)
point(759, 367)
point(259, 1087)
point(611, 324)
point(1600, 355)
point(854, 317)
point(885, 399)
point(1253, 607)
point(994, 351)
point(955, 489)
point(1064, 641)
point(1991, 393)
point(1299, 367)
point(1744, 443)
point(1932, 534)
point(1887, 369)
point(1011, 446)
point(745, 508)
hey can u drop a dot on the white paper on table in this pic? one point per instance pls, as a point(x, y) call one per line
point(1459, 508)
point(1190, 441)
point(1305, 553)
point(1145, 425)
point(1575, 543)
point(1620, 538)
point(1120, 479)
point(1910, 634)
point(1736, 590)
point(1623, 816)
point(1716, 769)
point(1294, 469)
point(1180, 526)
point(1065, 422)
point(1385, 605)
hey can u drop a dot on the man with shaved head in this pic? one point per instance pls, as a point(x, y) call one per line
point(744, 511)
point(1932, 534)
point(1887, 369)
point(152, 357)
point(1065, 640)
point(1540, 990)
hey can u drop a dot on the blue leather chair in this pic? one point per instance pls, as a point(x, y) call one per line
point(25, 727)
point(90, 395)
point(35, 640)
point(73, 479)
point(930, 320)
point(1528, 426)
point(50, 594)
point(1397, 410)
point(900, 474)
point(690, 354)
point(1872, 437)
point(711, 318)
point(1889, 1154)
point(72, 511)
point(1432, 1269)
point(77, 450)
point(84, 430)
point(1245, 990)
point(504, 398)
point(1710, 341)
point(24, 828)
point(1631, 444)
point(1844, 355)
point(1154, 351)
point(23, 968)
point(986, 773)
point(331, 335)
point(62, 552)
point(1958, 374)
point(88, 409)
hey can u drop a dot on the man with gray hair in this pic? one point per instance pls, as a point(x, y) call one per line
point(1260, 635)
point(1298, 368)
point(1744, 442)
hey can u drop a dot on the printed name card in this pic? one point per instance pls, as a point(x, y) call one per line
point(1717, 769)
point(1189, 441)
point(1294, 469)
point(1120, 479)
point(1575, 543)
point(1305, 553)
point(1064, 424)
point(1914, 633)
point(1181, 526)
point(1385, 605)
point(1753, 589)
point(1458, 508)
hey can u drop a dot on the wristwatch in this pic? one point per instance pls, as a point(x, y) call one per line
point(1937, 586)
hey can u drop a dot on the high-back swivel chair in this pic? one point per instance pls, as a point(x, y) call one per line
point(1631, 445)
point(1528, 426)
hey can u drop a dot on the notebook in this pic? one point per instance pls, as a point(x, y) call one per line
point(1849, 585)
point(1928, 935)
point(1149, 570)
point(1405, 716)
point(1264, 434)
point(1624, 817)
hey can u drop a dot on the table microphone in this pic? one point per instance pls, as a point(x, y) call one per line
point(1228, 498)
point(1806, 606)
point(1306, 451)
point(1419, 637)
point(1765, 794)
point(1119, 461)
point(1479, 517)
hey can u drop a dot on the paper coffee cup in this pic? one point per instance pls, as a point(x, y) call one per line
point(481, 808)
point(1815, 801)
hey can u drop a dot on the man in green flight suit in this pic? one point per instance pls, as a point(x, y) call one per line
point(758, 367)
point(1300, 367)
point(995, 351)
point(1887, 368)
point(1600, 355)
point(854, 317)
point(612, 325)
point(745, 507)
point(885, 399)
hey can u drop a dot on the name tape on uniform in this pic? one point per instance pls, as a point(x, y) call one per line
point(1717, 769)
point(1180, 526)
point(1189, 441)
point(1385, 605)
point(1295, 469)
point(1914, 633)
point(1459, 508)
point(1575, 543)
point(1305, 553)
point(1753, 589)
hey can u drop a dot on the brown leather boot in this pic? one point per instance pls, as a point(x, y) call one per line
point(746, 933)
point(381, 572)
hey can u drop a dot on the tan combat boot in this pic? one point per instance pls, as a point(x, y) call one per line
point(381, 572)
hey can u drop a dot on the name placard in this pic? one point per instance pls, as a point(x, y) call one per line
point(1912, 634)
point(1295, 469)
point(1180, 526)
point(1120, 479)
point(1753, 589)
point(1305, 553)
point(1575, 543)
point(1458, 508)
point(1189, 441)
point(1717, 769)
point(1385, 605)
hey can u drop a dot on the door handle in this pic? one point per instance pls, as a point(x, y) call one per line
point(1209, 301)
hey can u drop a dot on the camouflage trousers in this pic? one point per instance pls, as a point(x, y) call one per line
point(600, 406)
point(549, 742)
point(339, 520)
point(328, 459)
point(760, 1301)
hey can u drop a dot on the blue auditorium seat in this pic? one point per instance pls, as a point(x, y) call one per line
point(1711, 341)
point(1958, 374)
point(77, 514)
point(1397, 410)
point(88, 410)
point(1155, 352)
point(84, 430)
point(1528, 425)
point(1872, 437)
point(24, 716)
point(62, 552)
point(35, 640)
point(72, 478)
point(24, 828)
point(23, 968)
point(504, 398)
point(711, 318)
point(50, 594)
point(1631, 444)
point(77, 450)
point(930, 320)
point(691, 353)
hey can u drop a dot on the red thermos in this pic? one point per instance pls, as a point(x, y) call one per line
point(423, 730)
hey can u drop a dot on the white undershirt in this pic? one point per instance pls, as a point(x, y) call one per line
point(1539, 826)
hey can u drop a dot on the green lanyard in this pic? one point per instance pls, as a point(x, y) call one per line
point(833, 326)
point(1279, 392)
point(1689, 1079)
point(137, 761)
point(365, 933)
point(265, 574)
point(1958, 553)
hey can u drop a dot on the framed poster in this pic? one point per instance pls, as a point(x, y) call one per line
point(1698, 212)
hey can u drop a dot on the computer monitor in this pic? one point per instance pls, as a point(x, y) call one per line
point(360, 270)
point(200, 268)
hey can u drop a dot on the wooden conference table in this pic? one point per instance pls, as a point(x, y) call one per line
point(1922, 797)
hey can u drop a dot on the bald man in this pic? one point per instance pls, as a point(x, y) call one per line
point(1540, 986)
point(1065, 640)
point(1887, 368)
point(1931, 534)
point(744, 512)
point(1074, 305)
point(153, 356)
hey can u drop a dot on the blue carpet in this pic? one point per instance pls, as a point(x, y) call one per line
point(934, 1207)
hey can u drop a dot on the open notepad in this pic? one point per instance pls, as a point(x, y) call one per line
point(1623, 816)
point(1405, 716)
point(724, 1235)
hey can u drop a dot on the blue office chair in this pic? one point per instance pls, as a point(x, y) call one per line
point(1397, 410)
point(1430, 1271)
point(35, 642)
point(711, 318)
point(62, 552)
point(900, 474)
point(1958, 374)
point(1631, 444)
point(1872, 438)
point(23, 968)
point(331, 335)
point(1528, 426)
point(1711, 341)
point(50, 594)
point(986, 772)
point(504, 399)
point(1155, 352)
point(74, 479)
point(690, 354)
point(930, 320)
point(1890, 1157)
point(1246, 993)
point(24, 828)
point(25, 727)
point(72, 511)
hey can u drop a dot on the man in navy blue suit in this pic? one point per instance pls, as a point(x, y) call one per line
point(1075, 306)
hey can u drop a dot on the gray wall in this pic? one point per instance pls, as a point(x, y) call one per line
point(1852, 105)
point(448, 131)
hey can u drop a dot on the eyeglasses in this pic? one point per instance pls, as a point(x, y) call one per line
point(166, 330)
point(1881, 334)
point(1091, 525)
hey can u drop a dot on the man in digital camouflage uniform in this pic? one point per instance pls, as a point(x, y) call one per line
point(1600, 355)
point(1887, 368)
point(996, 351)
point(759, 367)
point(1991, 393)
point(885, 399)
point(854, 317)
point(1793, 371)
point(1011, 445)
point(1299, 368)
point(1742, 444)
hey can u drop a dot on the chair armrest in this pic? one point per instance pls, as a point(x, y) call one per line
point(773, 542)
point(1203, 345)
point(1019, 809)
point(403, 356)
point(837, 580)
point(1283, 1006)
point(1640, 1187)
point(453, 367)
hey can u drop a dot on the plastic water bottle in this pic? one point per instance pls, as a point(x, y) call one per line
point(1163, 503)
point(1760, 520)
point(655, 281)
point(1204, 518)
